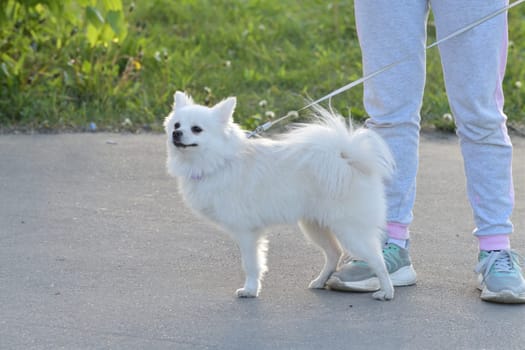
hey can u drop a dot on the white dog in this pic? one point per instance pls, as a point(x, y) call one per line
point(325, 177)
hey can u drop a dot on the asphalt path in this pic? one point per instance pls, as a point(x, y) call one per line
point(97, 251)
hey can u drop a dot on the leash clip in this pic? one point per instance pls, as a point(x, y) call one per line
point(260, 129)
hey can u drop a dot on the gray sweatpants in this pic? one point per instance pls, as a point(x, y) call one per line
point(473, 66)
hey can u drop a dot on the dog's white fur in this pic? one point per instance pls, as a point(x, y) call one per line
point(324, 176)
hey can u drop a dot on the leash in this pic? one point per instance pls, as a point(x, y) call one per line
point(269, 124)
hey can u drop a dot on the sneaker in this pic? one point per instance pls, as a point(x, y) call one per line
point(500, 279)
point(356, 276)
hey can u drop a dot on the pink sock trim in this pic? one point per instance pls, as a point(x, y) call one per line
point(494, 242)
point(397, 231)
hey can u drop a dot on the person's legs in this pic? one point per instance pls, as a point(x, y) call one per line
point(387, 33)
point(473, 66)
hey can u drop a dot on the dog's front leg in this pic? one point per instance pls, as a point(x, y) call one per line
point(253, 254)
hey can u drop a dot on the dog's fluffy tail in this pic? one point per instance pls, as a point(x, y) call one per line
point(337, 153)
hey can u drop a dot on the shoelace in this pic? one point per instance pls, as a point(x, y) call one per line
point(503, 261)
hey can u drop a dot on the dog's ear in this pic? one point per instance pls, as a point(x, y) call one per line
point(181, 99)
point(224, 109)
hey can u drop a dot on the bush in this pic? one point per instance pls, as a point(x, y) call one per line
point(58, 60)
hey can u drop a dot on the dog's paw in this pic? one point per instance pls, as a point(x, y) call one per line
point(246, 293)
point(382, 295)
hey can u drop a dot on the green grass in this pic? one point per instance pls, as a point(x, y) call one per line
point(275, 51)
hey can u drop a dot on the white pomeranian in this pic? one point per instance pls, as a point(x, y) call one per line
point(323, 176)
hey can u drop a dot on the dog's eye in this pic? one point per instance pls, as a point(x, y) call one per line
point(196, 129)
point(177, 125)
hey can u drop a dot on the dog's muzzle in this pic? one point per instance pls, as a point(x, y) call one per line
point(177, 134)
point(176, 137)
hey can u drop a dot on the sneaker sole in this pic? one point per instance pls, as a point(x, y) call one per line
point(405, 276)
point(504, 297)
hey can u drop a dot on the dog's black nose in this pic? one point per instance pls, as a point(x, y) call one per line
point(177, 134)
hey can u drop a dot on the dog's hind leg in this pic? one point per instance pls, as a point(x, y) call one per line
point(377, 263)
point(324, 239)
point(368, 248)
point(253, 254)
